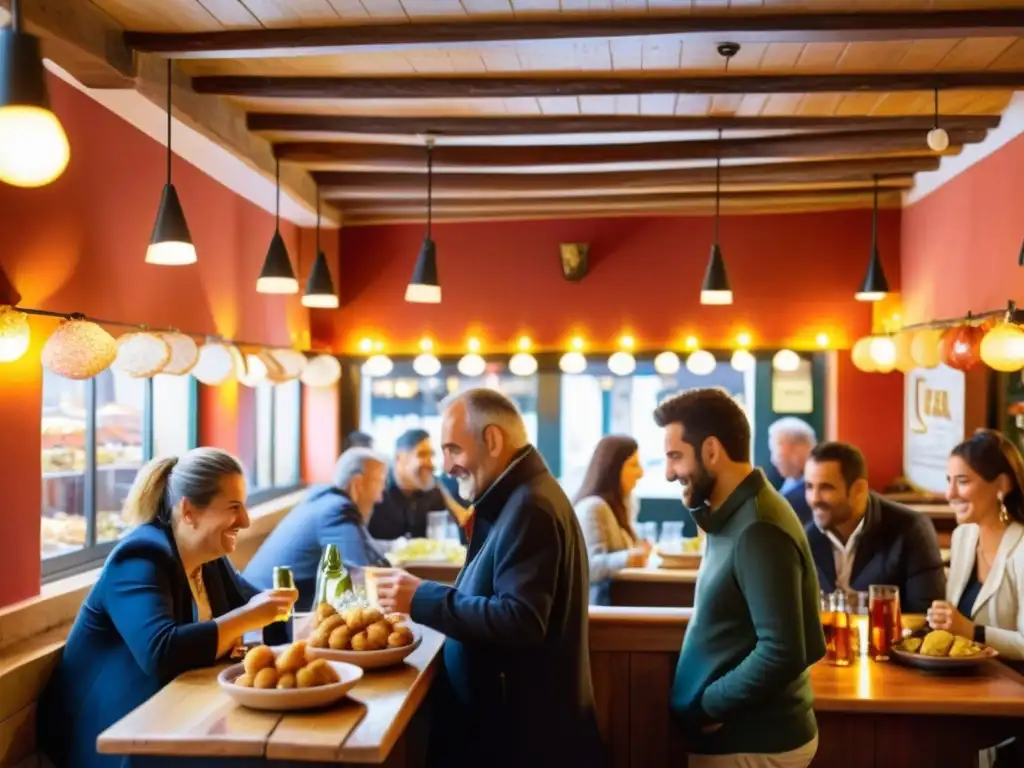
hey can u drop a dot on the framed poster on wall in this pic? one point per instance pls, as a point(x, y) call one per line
point(934, 422)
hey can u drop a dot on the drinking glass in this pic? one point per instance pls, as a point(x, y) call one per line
point(827, 625)
point(860, 603)
point(437, 525)
point(842, 633)
point(648, 532)
point(885, 627)
point(671, 534)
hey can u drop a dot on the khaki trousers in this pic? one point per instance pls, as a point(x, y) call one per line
point(795, 758)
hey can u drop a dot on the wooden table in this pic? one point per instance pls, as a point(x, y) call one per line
point(192, 717)
point(442, 573)
point(659, 587)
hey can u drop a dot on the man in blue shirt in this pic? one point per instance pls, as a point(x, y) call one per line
point(791, 440)
point(331, 514)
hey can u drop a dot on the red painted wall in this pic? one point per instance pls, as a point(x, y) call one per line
point(960, 244)
point(78, 245)
point(792, 276)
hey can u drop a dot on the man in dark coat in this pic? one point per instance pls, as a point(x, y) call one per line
point(516, 688)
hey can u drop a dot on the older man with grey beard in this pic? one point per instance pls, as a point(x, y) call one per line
point(516, 689)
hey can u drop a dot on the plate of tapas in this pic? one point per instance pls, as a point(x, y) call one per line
point(939, 651)
point(363, 636)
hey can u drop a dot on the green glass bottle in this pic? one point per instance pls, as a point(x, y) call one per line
point(333, 579)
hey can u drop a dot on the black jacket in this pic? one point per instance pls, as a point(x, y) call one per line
point(797, 498)
point(897, 546)
point(400, 514)
point(516, 687)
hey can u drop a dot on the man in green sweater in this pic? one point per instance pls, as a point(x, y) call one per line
point(742, 688)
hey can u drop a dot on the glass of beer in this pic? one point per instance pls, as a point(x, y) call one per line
point(828, 627)
point(283, 579)
point(884, 625)
point(842, 631)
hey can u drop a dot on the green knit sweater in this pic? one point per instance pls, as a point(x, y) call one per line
point(755, 629)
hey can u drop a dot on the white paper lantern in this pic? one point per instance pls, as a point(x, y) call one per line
point(742, 360)
point(621, 363)
point(522, 364)
point(377, 366)
point(883, 353)
point(472, 365)
point(292, 362)
point(217, 363)
point(786, 361)
point(667, 363)
point(79, 349)
point(426, 365)
point(573, 363)
point(321, 371)
point(184, 353)
point(141, 355)
point(255, 372)
point(701, 363)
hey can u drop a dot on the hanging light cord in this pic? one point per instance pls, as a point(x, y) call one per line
point(936, 108)
point(317, 221)
point(718, 179)
point(874, 217)
point(170, 65)
point(430, 182)
point(277, 198)
point(15, 16)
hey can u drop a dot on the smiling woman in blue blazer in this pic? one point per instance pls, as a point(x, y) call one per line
point(167, 601)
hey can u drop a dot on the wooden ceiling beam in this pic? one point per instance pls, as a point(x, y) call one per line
point(411, 159)
point(586, 85)
point(754, 204)
point(351, 186)
point(518, 126)
point(753, 28)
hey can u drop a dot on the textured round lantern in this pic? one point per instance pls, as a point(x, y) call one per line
point(216, 364)
point(377, 366)
point(184, 353)
point(321, 371)
point(701, 363)
point(883, 353)
point(254, 372)
point(79, 349)
point(522, 364)
point(141, 355)
point(1002, 348)
point(426, 365)
point(924, 348)
point(292, 362)
point(860, 355)
point(14, 334)
point(742, 360)
point(667, 363)
point(621, 363)
point(961, 345)
point(572, 363)
point(786, 361)
point(904, 360)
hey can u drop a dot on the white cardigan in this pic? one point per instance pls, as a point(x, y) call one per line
point(998, 606)
point(607, 544)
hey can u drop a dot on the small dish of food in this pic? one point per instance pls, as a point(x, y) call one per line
point(362, 636)
point(286, 678)
point(939, 651)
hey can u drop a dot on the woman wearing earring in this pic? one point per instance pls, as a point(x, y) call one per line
point(604, 506)
point(986, 575)
point(167, 601)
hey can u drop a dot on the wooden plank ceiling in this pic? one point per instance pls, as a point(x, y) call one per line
point(591, 107)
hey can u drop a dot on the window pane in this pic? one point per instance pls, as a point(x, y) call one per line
point(264, 437)
point(120, 402)
point(172, 415)
point(63, 460)
point(286, 433)
point(392, 404)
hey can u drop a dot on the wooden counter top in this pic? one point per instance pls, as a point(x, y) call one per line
point(193, 717)
point(672, 575)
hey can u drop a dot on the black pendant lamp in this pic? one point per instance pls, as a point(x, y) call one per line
point(875, 286)
point(425, 288)
point(34, 149)
point(170, 244)
point(277, 275)
point(320, 287)
point(716, 289)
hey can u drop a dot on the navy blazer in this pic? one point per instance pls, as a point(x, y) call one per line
point(136, 631)
point(896, 546)
point(516, 687)
point(797, 498)
point(325, 516)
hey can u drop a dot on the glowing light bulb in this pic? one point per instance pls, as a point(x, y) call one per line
point(34, 149)
point(938, 140)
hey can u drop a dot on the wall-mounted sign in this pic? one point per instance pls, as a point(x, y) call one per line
point(933, 423)
point(793, 391)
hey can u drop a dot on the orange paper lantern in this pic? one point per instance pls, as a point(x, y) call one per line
point(960, 347)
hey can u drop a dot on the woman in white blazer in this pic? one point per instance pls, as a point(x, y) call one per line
point(603, 506)
point(986, 572)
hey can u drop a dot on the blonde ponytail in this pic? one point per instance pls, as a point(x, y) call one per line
point(147, 497)
point(163, 483)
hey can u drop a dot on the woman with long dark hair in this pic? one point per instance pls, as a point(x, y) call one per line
point(605, 509)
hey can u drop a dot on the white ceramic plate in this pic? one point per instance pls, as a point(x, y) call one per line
point(370, 659)
point(290, 698)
